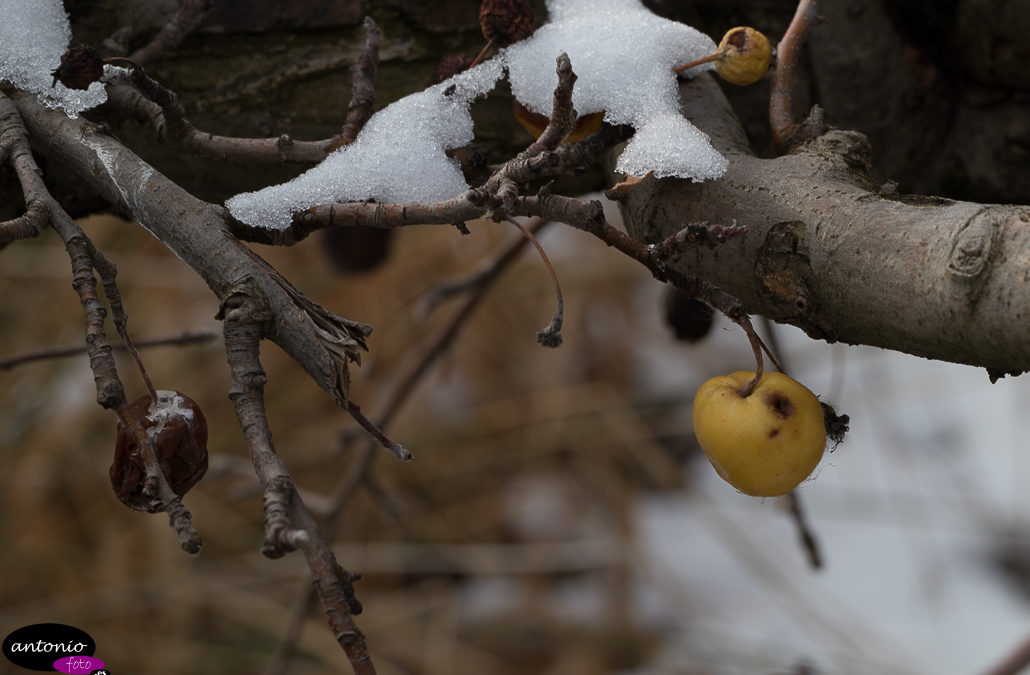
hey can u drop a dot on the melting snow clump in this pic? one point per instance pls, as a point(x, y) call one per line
point(33, 35)
point(399, 156)
point(623, 56)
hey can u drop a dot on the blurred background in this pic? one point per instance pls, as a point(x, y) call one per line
point(558, 516)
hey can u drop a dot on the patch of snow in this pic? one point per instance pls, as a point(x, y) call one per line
point(33, 35)
point(623, 56)
point(169, 405)
point(399, 156)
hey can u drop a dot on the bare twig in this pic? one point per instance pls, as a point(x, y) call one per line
point(161, 107)
point(15, 143)
point(805, 533)
point(108, 273)
point(60, 352)
point(288, 523)
point(172, 33)
point(362, 76)
point(784, 128)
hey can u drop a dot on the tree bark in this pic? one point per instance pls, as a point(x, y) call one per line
point(828, 250)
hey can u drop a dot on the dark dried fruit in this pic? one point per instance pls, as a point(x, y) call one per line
point(688, 317)
point(80, 67)
point(356, 248)
point(178, 430)
point(452, 65)
point(505, 21)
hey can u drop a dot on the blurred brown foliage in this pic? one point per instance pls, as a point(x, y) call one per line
point(528, 463)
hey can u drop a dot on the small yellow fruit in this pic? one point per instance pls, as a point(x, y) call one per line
point(765, 444)
point(744, 56)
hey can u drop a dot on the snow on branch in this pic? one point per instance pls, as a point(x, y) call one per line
point(33, 35)
point(623, 56)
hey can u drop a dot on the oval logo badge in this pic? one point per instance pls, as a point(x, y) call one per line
point(78, 665)
point(38, 646)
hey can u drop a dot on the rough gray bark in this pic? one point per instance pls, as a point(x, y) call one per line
point(194, 230)
point(828, 250)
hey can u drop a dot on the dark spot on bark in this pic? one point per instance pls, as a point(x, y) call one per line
point(782, 406)
point(738, 39)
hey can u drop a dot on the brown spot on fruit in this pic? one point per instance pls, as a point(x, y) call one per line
point(782, 406)
point(773, 433)
point(738, 39)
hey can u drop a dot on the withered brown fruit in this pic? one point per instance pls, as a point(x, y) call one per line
point(505, 22)
point(178, 431)
point(80, 67)
point(689, 318)
point(452, 65)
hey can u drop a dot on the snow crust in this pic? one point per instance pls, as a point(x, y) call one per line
point(399, 156)
point(33, 35)
point(623, 56)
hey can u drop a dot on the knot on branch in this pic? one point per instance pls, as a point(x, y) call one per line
point(783, 267)
point(280, 537)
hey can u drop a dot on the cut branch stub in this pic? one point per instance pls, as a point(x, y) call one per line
point(176, 429)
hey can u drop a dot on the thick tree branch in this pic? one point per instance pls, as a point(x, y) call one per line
point(321, 342)
point(826, 250)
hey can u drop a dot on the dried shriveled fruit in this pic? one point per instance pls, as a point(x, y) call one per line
point(80, 67)
point(176, 427)
point(452, 65)
point(505, 22)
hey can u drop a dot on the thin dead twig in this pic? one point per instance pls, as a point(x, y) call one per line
point(160, 106)
point(182, 340)
point(182, 23)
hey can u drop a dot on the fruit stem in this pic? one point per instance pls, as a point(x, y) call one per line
point(550, 336)
point(697, 62)
point(482, 52)
point(756, 347)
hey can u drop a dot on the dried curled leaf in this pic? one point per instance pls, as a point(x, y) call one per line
point(176, 428)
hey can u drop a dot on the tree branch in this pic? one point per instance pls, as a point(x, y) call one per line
point(834, 255)
point(288, 523)
point(321, 342)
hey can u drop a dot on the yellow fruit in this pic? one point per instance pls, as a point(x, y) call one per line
point(744, 56)
point(535, 123)
point(765, 444)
